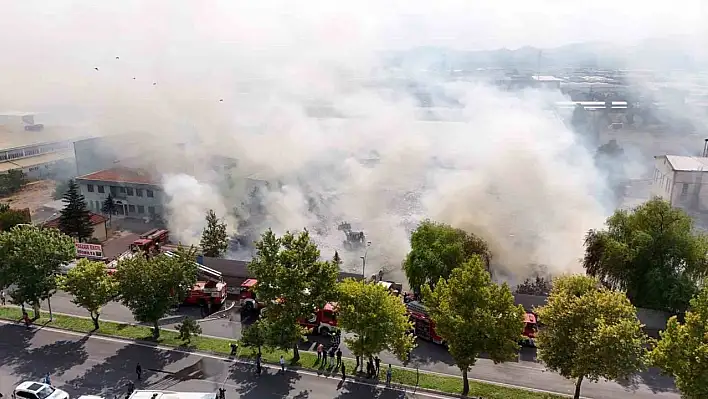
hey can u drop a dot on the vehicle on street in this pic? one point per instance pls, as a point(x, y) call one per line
point(38, 390)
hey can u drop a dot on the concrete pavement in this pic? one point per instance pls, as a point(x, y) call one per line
point(430, 357)
point(103, 366)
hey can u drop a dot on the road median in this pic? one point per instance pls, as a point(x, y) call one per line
point(308, 361)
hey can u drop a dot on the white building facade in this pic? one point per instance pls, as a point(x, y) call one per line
point(682, 181)
point(135, 193)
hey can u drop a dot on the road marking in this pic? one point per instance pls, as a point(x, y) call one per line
point(277, 367)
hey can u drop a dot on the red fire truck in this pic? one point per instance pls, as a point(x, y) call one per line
point(530, 329)
point(423, 327)
point(321, 322)
point(210, 288)
point(150, 241)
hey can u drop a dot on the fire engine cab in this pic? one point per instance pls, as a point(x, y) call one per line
point(210, 288)
point(324, 321)
point(150, 241)
point(530, 329)
point(423, 327)
point(247, 296)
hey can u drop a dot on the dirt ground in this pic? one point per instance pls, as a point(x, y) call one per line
point(32, 196)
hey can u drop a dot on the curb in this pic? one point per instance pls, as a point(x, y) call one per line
point(277, 366)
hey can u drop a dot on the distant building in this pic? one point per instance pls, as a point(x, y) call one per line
point(100, 231)
point(680, 180)
point(135, 191)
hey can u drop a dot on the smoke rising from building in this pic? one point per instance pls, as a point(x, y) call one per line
point(301, 97)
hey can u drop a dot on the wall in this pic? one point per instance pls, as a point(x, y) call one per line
point(125, 195)
point(663, 179)
point(100, 232)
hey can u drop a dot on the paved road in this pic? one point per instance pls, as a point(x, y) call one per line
point(94, 365)
point(525, 373)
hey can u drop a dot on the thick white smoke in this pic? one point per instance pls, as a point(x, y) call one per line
point(299, 94)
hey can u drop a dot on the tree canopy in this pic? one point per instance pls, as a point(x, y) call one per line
point(293, 281)
point(91, 286)
point(214, 241)
point(683, 349)
point(10, 218)
point(652, 252)
point(590, 332)
point(12, 181)
point(75, 218)
point(436, 249)
point(474, 315)
point(150, 286)
point(540, 286)
point(30, 258)
point(376, 318)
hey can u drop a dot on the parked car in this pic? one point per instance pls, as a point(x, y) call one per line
point(38, 390)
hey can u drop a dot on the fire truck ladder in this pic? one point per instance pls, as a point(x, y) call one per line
point(205, 272)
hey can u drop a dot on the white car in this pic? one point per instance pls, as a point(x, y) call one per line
point(38, 390)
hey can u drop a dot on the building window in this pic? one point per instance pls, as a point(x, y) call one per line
point(139, 192)
point(149, 193)
point(101, 189)
point(121, 190)
point(684, 189)
point(129, 190)
point(114, 191)
point(89, 187)
point(151, 210)
point(141, 209)
point(131, 208)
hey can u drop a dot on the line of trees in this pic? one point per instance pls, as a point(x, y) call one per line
point(31, 261)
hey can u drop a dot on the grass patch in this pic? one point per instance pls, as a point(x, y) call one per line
point(308, 360)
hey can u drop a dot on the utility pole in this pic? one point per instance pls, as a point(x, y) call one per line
point(363, 260)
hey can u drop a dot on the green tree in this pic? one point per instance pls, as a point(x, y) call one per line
point(590, 332)
point(256, 335)
point(652, 253)
point(149, 287)
point(539, 286)
point(294, 282)
point(187, 329)
point(473, 315)
point(109, 207)
point(437, 249)
point(12, 181)
point(376, 318)
point(30, 258)
point(10, 218)
point(91, 286)
point(214, 241)
point(683, 349)
point(75, 218)
point(60, 189)
point(336, 259)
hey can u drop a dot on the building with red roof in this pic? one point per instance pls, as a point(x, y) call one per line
point(100, 231)
point(136, 192)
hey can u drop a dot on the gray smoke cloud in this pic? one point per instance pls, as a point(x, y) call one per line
point(242, 80)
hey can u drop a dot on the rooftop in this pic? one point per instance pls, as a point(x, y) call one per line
point(140, 394)
point(688, 164)
point(121, 175)
point(16, 137)
point(95, 219)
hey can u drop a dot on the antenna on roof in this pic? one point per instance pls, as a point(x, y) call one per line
point(705, 148)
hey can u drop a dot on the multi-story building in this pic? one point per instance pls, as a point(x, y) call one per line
point(135, 191)
point(680, 180)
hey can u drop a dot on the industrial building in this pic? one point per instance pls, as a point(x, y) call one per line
point(136, 193)
point(680, 180)
point(39, 151)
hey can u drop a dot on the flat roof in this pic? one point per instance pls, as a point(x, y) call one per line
point(42, 159)
point(140, 394)
point(15, 137)
point(121, 175)
point(687, 164)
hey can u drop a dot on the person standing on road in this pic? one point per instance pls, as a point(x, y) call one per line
point(343, 371)
point(320, 347)
point(389, 372)
point(258, 364)
point(139, 372)
point(47, 380)
point(377, 362)
point(282, 364)
point(339, 357)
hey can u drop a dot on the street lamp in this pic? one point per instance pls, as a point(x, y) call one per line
point(363, 260)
